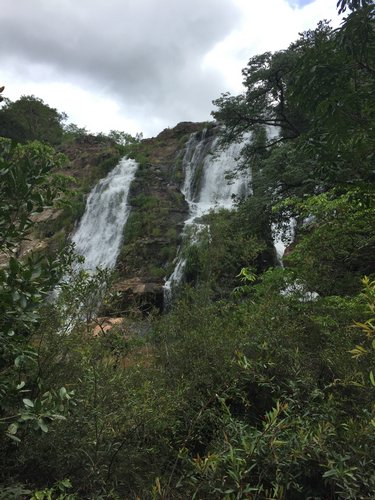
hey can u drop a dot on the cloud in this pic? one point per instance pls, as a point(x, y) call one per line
point(264, 27)
point(141, 64)
point(144, 54)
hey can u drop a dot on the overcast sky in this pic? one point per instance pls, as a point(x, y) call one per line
point(141, 65)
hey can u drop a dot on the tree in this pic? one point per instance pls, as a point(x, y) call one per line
point(73, 131)
point(266, 100)
point(352, 5)
point(25, 188)
point(29, 118)
point(317, 92)
point(335, 245)
point(123, 138)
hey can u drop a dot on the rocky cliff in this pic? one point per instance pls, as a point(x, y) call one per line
point(153, 232)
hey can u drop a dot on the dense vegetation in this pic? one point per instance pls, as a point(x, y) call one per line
point(251, 386)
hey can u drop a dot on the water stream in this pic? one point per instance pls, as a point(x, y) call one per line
point(207, 188)
point(98, 237)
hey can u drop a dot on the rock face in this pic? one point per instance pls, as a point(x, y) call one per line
point(153, 231)
point(89, 158)
point(104, 325)
point(138, 294)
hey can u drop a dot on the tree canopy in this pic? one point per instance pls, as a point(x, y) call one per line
point(29, 119)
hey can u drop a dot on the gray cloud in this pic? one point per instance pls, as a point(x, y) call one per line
point(144, 53)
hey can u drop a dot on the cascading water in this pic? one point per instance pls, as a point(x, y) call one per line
point(204, 162)
point(99, 235)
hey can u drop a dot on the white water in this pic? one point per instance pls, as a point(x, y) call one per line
point(99, 234)
point(215, 191)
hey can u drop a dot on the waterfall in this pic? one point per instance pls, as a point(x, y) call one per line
point(99, 235)
point(207, 188)
point(216, 191)
point(98, 239)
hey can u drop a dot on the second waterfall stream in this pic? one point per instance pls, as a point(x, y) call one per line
point(206, 188)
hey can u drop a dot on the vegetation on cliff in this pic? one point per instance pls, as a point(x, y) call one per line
point(259, 383)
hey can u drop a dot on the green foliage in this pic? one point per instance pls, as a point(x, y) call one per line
point(29, 119)
point(58, 492)
point(24, 187)
point(275, 402)
point(321, 88)
point(318, 92)
point(120, 396)
point(351, 4)
point(73, 132)
point(24, 285)
point(221, 248)
point(266, 101)
point(146, 218)
point(335, 248)
point(289, 413)
point(367, 327)
point(81, 293)
point(124, 139)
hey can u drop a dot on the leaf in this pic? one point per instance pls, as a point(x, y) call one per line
point(36, 274)
point(18, 361)
point(13, 428)
point(42, 425)
point(63, 393)
point(26, 416)
point(39, 495)
point(66, 483)
point(23, 302)
point(358, 351)
point(14, 438)
point(28, 403)
point(13, 265)
point(372, 378)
